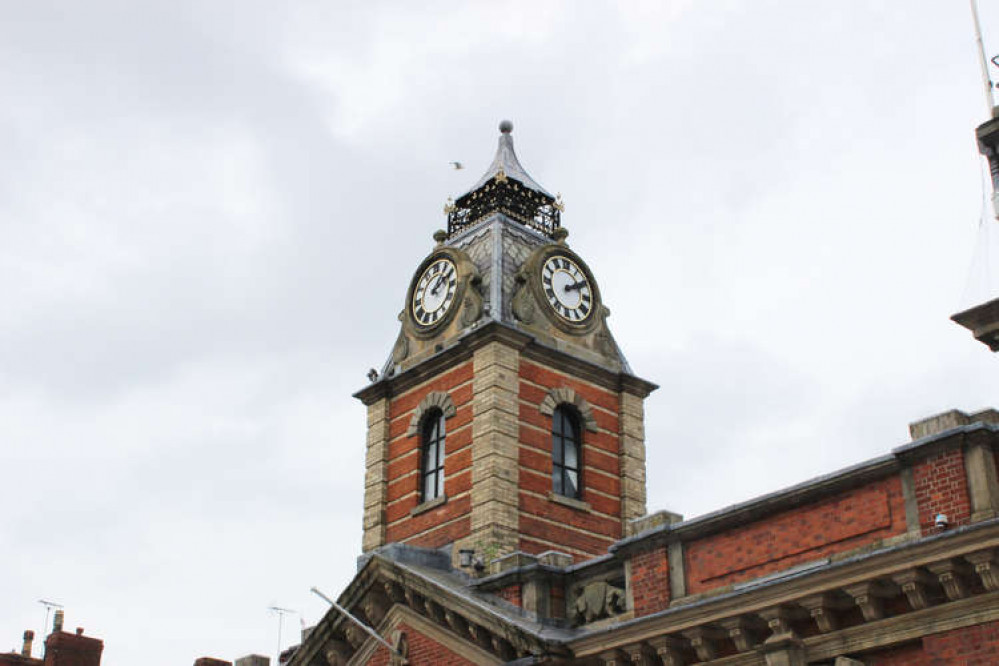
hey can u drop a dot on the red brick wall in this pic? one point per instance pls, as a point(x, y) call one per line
point(971, 646)
point(511, 594)
point(66, 649)
point(547, 525)
point(451, 520)
point(423, 651)
point(942, 487)
point(834, 525)
point(650, 581)
point(976, 645)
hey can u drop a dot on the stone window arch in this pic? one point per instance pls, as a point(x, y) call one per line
point(566, 396)
point(433, 400)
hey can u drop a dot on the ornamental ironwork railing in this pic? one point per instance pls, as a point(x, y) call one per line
point(529, 207)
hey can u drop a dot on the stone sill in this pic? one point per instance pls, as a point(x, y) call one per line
point(428, 505)
point(578, 505)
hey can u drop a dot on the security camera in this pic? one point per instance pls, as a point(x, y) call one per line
point(941, 521)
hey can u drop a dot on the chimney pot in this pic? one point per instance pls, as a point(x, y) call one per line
point(79, 631)
point(29, 637)
point(57, 621)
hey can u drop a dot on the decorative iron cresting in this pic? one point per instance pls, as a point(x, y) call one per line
point(506, 195)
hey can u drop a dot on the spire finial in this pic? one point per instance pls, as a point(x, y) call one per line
point(506, 126)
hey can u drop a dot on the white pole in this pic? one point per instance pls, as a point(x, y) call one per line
point(353, 619)
point(982, 61)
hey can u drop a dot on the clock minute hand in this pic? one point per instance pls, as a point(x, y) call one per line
point(437, 285)
point(576, 286)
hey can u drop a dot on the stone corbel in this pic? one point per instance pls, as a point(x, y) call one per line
point(951, 574)
point(984, 562)
point(744, 632)
point(914, 584)
point(669, 649)
point(455, 622)
point(822, 607)
point(641, 654)
point(704, 640)
point(778, 619)
point(869, 596)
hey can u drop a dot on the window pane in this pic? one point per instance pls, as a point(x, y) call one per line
point(557, 446)
point(428, 487)
point(430, 456)
point(571, 459)
point(440, 482)
point(557, 480)
point(570, 428)
point(571, 484)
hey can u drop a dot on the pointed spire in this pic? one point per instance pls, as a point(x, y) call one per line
point(506, 164)
point(506, 189)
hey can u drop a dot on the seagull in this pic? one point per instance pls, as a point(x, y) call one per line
point(457, 165)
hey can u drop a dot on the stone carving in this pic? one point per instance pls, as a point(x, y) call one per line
point(401, 645)
point(471, 309)
point(523, 301)
point(596, 601)
point(401, 348)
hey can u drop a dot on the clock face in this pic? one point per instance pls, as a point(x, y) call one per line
point(434, 293)
point(567, 289)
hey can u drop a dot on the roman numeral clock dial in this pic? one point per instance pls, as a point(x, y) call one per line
point(567, 289)
point(434, 293)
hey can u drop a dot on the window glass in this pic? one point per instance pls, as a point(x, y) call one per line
point(432, 466)
point(565, 452)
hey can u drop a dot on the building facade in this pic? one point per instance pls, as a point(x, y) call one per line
point(505, 519)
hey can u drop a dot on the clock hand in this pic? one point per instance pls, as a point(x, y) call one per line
point(437, 285)
point(577, 286)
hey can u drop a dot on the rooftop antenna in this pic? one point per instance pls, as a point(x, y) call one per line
point(281, 612)
point(983, 61)
point(49, 605)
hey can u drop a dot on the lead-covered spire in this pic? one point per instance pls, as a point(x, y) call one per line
point(506, 188)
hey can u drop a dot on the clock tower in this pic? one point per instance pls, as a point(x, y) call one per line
point(506, 417)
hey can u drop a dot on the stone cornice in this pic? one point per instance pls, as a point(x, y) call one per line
point(461, 349)
point(786, 591)
point(951, 438)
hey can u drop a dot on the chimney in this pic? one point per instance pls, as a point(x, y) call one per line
point(253, 660)
point(209, 661)
point(57, 621)
point(65, 649)
point(29, 638)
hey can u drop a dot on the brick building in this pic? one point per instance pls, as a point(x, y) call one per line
point(505, 518)
point(61, 648)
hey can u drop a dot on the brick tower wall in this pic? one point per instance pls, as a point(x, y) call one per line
point(404, 522)
point(585, 528)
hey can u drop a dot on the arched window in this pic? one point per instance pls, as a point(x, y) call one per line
point(566, 445)
point(432, 463)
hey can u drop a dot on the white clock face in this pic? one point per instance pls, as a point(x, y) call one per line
point(567, 289)
point(434, 292)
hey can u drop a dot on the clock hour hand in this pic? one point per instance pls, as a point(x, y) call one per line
point(576, 286)
point(437, 285)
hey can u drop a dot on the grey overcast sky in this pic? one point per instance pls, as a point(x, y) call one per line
point(210, 212)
